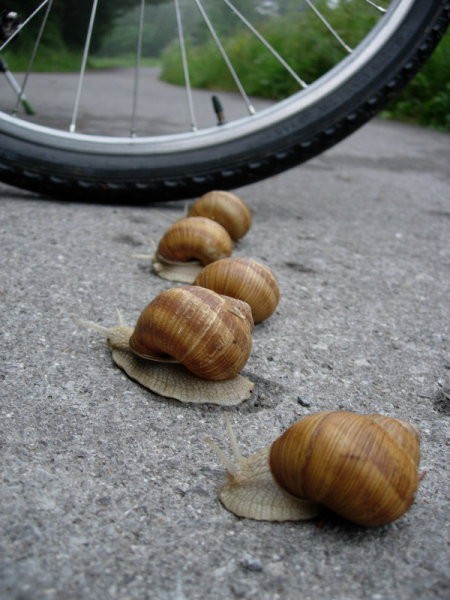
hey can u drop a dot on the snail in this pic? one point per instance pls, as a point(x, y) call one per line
point(246, 279)
point(362, 467)
point(225, 208)
point(188, 245)
point(189, 343)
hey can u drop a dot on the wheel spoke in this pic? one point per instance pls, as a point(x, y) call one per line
point(269, 47)
point(375, 5)
point(250, 107)
point(187, 80)
point(20, 96)
point(137, 71)
point(329, 26)
point(87, 46)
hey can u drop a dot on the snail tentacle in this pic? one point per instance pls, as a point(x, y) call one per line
point(233, 439)
point(224, 459)
point(230, 466)
point(118, 336)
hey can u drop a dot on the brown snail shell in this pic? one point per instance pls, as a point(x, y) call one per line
point(189, 343)
point(362, 467)
point(188, 245)
point(211, 335)
point(245, 279)
point(227, 209)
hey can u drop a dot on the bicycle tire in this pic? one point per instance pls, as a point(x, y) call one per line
point(81, 168)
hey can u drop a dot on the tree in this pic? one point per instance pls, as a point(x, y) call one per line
point(74, 16)
point(69, 20)
point(159, 30)
point(224, 21)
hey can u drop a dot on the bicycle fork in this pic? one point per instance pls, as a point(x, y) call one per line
point(16, 87)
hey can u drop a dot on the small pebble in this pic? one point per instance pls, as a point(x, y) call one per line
point(303, 401)
point(239, 590)
point(252, 564)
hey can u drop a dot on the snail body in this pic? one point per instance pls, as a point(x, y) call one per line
point(245, 279)
point(188, 245)
point(189, 343)
point(225, 208)
point(362, 467)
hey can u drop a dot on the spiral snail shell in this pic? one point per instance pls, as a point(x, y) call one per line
point(189, 343)
point(227, 209)
point(362, 467)
point(245, 279)
point(211, 335)
point(188, 245)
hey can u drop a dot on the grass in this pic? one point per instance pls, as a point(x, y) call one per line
point(426, 100)
point(104, 62)
point(68, 62)
point(47, 61)
point(298, 38)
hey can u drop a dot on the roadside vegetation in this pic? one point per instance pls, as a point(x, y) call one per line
point(296, 34)
point(425, 101)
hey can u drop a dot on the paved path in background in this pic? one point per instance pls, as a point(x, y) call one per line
point(110, 492)
point(106, 102)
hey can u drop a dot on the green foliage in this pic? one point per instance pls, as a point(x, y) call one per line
point(65, 32)
point(53, 53)
point(124, 61)
point(159, 20)
point(426, 100)
point(74, 16)
point(160, 26)
point(299, 37)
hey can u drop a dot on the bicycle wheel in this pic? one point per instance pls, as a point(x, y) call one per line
point(68, 164)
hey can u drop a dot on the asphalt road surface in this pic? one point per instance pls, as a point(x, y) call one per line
point(111, 492)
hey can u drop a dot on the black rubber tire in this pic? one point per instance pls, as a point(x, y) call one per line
point(66, 173)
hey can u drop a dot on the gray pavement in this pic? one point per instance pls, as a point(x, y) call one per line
point(110, 492)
